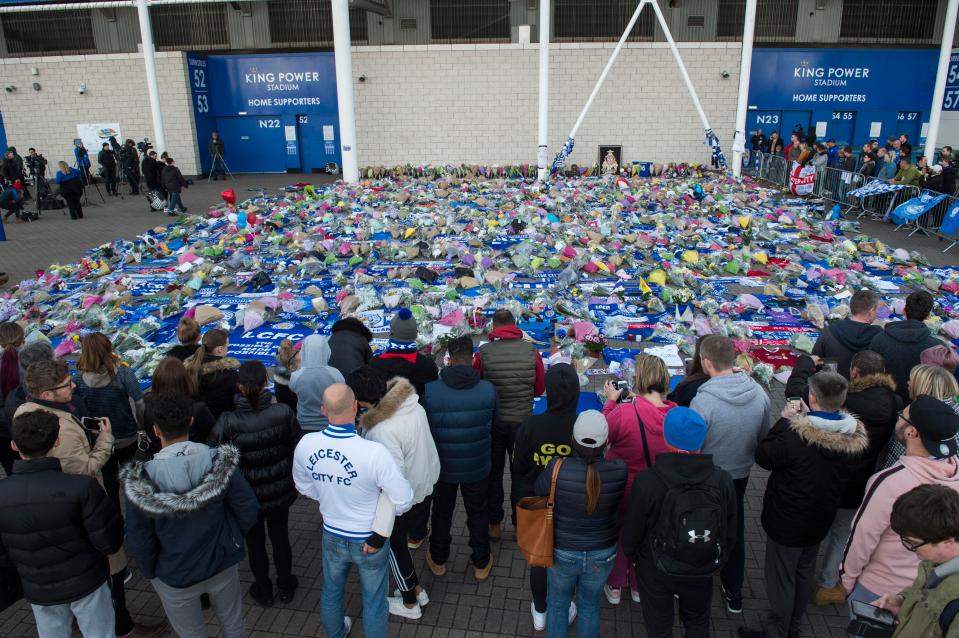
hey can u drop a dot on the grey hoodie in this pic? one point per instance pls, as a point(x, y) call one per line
point(311, 381)
point(737, 414)
point(180, 467)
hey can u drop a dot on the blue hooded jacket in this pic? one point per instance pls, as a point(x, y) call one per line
point(188, 512)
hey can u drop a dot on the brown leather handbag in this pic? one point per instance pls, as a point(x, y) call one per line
point(534, 525)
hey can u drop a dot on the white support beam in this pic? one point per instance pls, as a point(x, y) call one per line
point(344, 89)
point(945, 53)
point(745, 69)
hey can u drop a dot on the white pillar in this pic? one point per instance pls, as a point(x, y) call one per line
point(344, 89)
point(745, 67)
point(945, 52)
point(542, 159)
point(149, 60)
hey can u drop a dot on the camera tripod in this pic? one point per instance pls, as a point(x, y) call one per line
point(226, 168)
point(87, 180)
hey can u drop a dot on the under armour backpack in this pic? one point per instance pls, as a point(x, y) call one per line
point(688, 537)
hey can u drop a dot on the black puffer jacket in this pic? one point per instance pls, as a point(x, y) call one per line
point(873, 399)
point(350, 345)
point(266, 438)
point(57, 529)
point(543, 436)
point(842, 339)
point(172, 179)
point(574, 529)
point(901, 343)
point(686, 391)
point(811, 461)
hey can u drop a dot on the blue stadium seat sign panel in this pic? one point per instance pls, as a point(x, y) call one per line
point(274, 112)
point(847, 89)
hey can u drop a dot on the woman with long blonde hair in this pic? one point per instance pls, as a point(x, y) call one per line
point(931, 380)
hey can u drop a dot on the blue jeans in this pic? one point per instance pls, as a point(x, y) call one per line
point(94, 614)
point(338, 555)
point(173, 203)
point(586, 573)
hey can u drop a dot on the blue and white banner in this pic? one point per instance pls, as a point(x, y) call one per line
point(876, 188)
point(916, 207)
point(950, 224)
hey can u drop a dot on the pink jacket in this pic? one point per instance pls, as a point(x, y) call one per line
point(625, 440)
point(875, 556)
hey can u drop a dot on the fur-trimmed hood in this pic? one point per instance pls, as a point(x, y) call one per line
point(400, 397)
point(187, 479)
point(872, 381)
point(846, 435)
point(212, 365)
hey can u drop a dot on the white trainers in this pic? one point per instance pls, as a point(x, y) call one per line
point(347, 626)
point(634, 595)
point(397, 608)
point(539, 620)
point(422, 598)
point(614, 596)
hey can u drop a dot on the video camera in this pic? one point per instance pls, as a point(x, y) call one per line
point(36, 164)
point(145, 145)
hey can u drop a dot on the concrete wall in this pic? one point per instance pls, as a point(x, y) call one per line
point(116, 92)
point(478, 103)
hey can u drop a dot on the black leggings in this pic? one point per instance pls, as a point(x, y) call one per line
point(537, 583)
point(277, 523)
point(111, 470)
point(73, 203)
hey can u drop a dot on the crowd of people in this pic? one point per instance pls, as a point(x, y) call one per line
point(139, 166)
point(892, 162)
point(648, 493)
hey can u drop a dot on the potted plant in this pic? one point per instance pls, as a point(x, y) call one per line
point(594, 344)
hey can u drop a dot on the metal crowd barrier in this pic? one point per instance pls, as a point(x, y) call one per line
point(882, 204)
point(833, 185)
point(772, 169)
point(930, 223)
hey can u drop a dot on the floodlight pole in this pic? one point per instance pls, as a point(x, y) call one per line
point(945, 53)
point(344, 89)
point(153, 88)
point(745, 68)
point(542, 158)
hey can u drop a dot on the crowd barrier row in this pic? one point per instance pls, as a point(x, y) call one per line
point(835, 187)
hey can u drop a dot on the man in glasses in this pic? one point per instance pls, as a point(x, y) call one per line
point(927, 521)
point(51, 388)
point(876, 563)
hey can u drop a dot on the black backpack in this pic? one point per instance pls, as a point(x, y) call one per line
point(688, 537)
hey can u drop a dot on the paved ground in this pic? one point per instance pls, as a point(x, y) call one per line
point(460, 607)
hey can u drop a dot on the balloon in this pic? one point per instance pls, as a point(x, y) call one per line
point(229, 196)
point(251, 217)
point(241, 221)
point(232, 217)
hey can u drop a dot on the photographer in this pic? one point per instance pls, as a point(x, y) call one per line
point(70, 181)
point(18, 162)
point(8, 169)
point(216, 153)
point(82, 158)
point(130, 162)
point(36, 163)
point(108, 168)
point(12, 201)
point(926, 518)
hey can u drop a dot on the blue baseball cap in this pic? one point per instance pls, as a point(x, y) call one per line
point(684, 429)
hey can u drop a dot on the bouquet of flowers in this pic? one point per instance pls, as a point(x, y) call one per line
point(594, 342)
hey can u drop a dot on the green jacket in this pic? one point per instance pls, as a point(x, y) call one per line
point(919, 615)
point(911, 176)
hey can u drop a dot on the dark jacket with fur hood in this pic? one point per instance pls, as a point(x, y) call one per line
point(811, 456)
point(873, 399)
point(188, 512)
point(218, 379)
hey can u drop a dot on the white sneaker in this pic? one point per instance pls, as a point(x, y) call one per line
point(614, 596)
point(572, 612)
point(634, 595)
point(539, 620)
point(397, 608)
point(422, 598)
point(347, 626)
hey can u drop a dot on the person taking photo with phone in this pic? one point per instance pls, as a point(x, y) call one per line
point(926, 518)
